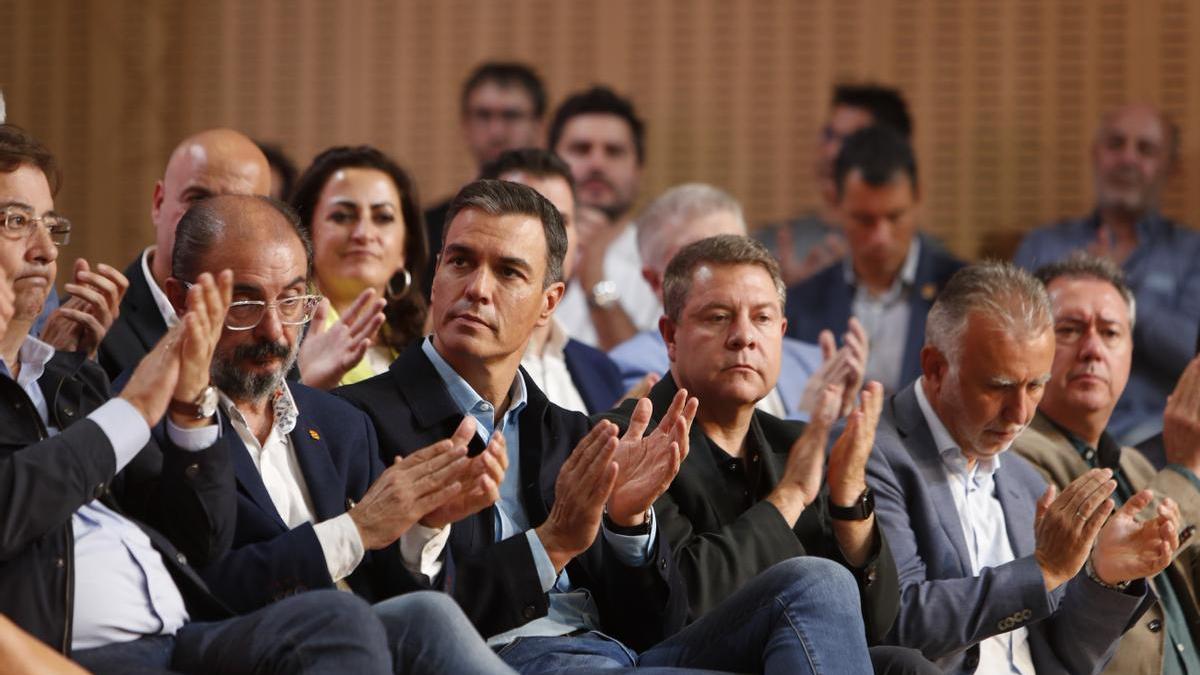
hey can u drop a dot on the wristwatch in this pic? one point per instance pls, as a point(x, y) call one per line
point(604, 294)
point(633, 531)
point(862, 509)
point(203, 407)
point(1091, 572)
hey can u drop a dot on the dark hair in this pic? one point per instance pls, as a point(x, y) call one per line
point(503, 198)
point(722, 249)
point(1081, 265)
point(204, 222)
point(280, 162)
point(879, 152)
point(533, 161)
point(405, 313)
point(507, 74)
point(19, 147)
point(599, 100)
point(886, 105)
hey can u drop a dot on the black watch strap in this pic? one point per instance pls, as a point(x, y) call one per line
point(634, 531)
point(862, 509)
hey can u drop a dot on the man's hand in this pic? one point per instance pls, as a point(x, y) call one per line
point(580, 491)
point(207, 303)
point(480, 480)
point(408, 490)
point(1066, 526)
point(648, 464)
point(841, 368)
point(642, 387)
point(7, 298)
point(801, 480)
point(81, 323)
point(1129, 549)
point(795, 269)
point(327, 354)
point(1181, 420)
point(847, 475)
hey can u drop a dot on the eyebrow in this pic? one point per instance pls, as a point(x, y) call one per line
point(251, 288)
point(516, 262)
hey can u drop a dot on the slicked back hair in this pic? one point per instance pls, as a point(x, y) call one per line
point(504, 198)
point(1081, 265)
point(723, 249)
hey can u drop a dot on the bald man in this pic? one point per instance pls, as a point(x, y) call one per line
point(213, 162)
point(1134, 153)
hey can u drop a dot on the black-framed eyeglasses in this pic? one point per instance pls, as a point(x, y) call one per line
point(19, 222)
point(246, 314)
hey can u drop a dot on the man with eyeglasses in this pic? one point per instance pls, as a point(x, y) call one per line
point(99, 517)
point(315, 506)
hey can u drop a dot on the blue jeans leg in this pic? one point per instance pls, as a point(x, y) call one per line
point(150, 655)
point(799, 616)
point(314, 633)
point(428, 633)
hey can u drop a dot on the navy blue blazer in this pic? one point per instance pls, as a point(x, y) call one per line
point(339, 457)
point(946, 609)
point(825, 301)
point(497, 583)
point(596, 377)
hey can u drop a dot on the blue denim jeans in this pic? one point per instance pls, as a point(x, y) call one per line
point(428, 633)
point(800, 616)
point(312, 633)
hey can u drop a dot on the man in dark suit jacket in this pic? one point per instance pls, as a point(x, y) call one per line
point(315, 506)
point(995, 569)
point(892, 275)
point(539, 563)
point(83, 570)
point(213, 162)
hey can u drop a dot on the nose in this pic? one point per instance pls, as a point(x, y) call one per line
point(1090, 345)
point(362, 229)
point(39, 247)
point(1018, 406)
point(741, 333)
point(270, 327)
point(479, 286)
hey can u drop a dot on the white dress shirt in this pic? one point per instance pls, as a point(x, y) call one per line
point(623, 267)
point(123, 590)
point(549, 370)
point(170, 318)
point(985, 533)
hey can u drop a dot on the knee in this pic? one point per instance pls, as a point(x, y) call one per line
point(333, 607)
point(810, 575)
point(421, 607)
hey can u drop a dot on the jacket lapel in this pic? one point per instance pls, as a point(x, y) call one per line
point(920, 299)
point(324, 488)
point(1018, 517)
point(249, 480)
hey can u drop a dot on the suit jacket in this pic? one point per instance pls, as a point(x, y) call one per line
point(46, 479)
point(825, 300)
point(720, 546)
point(339, 457)
point(1053, 455)
point(138, 327)
point(497, 583)
point(646, 352)
point(945, 610)
point(595, 376)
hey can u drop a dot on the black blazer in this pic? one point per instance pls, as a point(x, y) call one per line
point(720, 545)
point(497, 583)
point(339, 457)
point(136, 330)
point(183, 494)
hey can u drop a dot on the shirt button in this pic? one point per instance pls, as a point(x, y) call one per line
point(662, 564)
point(529, 612)
point(60, 563)
point(181, 558)
point(191, 471)
point(1155, 625)
point(98, 492)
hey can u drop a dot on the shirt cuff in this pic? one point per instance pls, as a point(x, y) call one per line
point(341, 544)
point(1186, 473)
point(633, 550)
point(545, 568)
point(125, 428)
point(192, 440)
point(421, 549)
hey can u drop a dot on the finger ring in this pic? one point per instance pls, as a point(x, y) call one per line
point(1080, 516)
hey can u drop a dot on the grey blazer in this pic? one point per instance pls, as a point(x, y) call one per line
point(945, 611)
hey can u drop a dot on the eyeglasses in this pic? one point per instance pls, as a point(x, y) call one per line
point(19, 223)
point(246, 314)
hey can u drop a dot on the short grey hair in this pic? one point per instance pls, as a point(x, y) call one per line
point(204, 223)
point(671, 212)
point(723, 249)
point(999, 290)
point(1081, 265)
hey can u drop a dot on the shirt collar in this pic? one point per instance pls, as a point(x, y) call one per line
point(952, 455)
point(284, 407)
point(33, 357)
point(465, 396)
point(1147, 226)
point(1106, 456)
point(908, 271)
point(160, 298)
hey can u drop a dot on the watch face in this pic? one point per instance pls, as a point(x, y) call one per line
point(208, 402)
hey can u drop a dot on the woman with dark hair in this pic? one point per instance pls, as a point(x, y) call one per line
point(362, 212)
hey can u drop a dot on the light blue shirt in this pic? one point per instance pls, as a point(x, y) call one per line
point(571, 609)
point(885, 319)
point(123, 590)
point(985, 532)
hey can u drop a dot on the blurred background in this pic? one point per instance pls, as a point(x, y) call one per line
point(1005, 94)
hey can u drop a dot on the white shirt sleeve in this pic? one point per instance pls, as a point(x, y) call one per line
point(421, 549)
point(192, 440)
point(125, 428)
point(341, 544)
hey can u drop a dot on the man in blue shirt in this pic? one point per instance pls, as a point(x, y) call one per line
point(1135, 151)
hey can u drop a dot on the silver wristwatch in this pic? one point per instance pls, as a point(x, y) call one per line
point(604, 294)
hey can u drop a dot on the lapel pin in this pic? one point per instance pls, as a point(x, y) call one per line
point(313, 433)
point(928, 291)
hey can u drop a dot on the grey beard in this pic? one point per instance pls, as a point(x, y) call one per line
point(241, 385)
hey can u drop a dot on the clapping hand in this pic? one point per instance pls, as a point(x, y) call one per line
point(648, 464)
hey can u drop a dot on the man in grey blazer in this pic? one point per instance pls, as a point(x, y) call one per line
point(999, 573)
